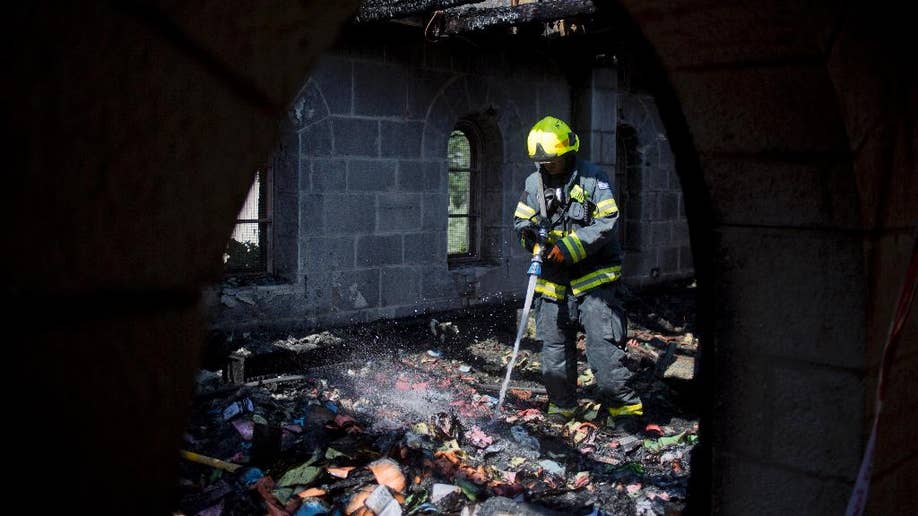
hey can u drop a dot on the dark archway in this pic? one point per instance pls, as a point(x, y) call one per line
point(136, 131)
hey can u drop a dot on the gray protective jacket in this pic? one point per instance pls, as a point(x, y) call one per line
point(583, 227)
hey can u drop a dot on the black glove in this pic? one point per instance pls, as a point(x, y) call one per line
point(530, 232)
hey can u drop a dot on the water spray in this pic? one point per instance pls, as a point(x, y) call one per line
point(535, 270)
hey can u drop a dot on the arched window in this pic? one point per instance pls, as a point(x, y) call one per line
point(463, 231)
point(249, 248)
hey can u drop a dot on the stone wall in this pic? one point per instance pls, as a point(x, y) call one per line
point(627, 138)
point(786, 122)
point(361, 192)
point(360, 186)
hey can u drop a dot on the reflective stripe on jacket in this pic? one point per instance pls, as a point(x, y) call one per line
point(592, 255)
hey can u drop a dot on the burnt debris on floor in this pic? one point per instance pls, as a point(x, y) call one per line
point(400, 419)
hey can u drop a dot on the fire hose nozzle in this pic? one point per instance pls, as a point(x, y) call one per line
point(535, 264)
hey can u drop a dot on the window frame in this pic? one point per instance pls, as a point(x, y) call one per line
point(266, 188)
point(473, 215)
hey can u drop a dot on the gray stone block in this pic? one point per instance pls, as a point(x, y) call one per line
point(379, 90)
point(749, 487)
point(304, 173)
point(400, 286)
point(425, 248)
point(640, 264)
point(605, 78)
point(285, 305)
point(659, 178)
point(820, 193)
point(799, 291)
point(376, 250)
point(526, 102)
point(334, 76)
point(410, 176)
point(322, 254)
point(662, 234)
point(823, 411)
point(437, 283)
point(347, 213)
point(434, 212)
point(457, 97)
point(555, 97)
point(423, 87)
point(494, 242)
point(609, 150)
point(494, 280)
point(329, 175)
point(632, 209)
point(356, 136)
point(667, 161)
point(763, 109)
point(647, 203)
point(668, 206)
point(435, 176)
point(669, 260)
point(725, 35)
point(435, 140)
point(605, 110)
point(637, 234)
point(591, 146)
point(401, 139)
point(742, 422)
point(316, 139)
point(370, 176)
point(285, 259)
point(318, 291)
point(355, 289)
point(312, 214)
point(398, 212)
point(285, 163)
point(478, 94)
point(632, 112)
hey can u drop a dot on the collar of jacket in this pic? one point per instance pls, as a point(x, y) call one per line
point(571, 180)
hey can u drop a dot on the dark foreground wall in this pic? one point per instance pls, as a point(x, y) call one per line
point(135, 133)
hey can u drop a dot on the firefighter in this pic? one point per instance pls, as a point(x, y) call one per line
point(580, 276)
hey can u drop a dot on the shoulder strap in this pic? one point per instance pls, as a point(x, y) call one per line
point(540, 193)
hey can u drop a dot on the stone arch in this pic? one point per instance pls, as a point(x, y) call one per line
point(771, 105)
point(771, 195)
point(493, 110)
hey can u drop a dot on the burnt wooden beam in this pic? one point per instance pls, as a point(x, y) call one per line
point(461, 20)
point(384, 10)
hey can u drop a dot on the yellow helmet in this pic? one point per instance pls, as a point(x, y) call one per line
point(549, 138)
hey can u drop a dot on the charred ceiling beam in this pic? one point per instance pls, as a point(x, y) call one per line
point(384, 10)
point(457, 21)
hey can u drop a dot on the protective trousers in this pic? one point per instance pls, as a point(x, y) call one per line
point(602, 318)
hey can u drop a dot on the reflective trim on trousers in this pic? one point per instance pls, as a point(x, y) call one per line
point(595, 279)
